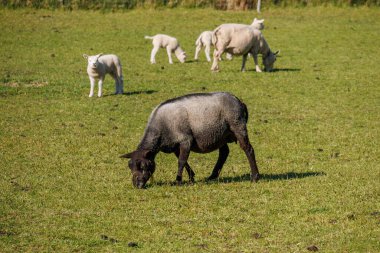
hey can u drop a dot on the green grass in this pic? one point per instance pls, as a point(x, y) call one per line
point(314, 124)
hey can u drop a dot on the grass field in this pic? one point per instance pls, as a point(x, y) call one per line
point(314, 124)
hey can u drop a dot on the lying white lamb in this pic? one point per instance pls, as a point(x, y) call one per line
point(100, 65)
point(170, 43)
point(205, 40)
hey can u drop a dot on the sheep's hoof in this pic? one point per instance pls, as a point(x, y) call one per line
point(255, 178)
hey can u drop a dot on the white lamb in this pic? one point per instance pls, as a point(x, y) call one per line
point(205, 40)
point(170, 43)
point(100, 65)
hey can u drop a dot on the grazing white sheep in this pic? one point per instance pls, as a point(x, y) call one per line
point(205, 40)
point(238, 39)
point(100, 65)
point(170, 43)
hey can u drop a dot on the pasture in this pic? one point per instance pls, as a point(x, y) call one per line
point(314, 123)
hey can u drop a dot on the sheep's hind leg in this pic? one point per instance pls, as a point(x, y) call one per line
point(242, 137)
point(223, 154)
point(190, 172)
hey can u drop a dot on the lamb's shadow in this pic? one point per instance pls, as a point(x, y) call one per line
point(131, 93)
point(244, 177)
point(286, 70)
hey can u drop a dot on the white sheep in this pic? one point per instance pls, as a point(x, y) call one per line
point(100, 65)
point(170, 43)
point(205, 40)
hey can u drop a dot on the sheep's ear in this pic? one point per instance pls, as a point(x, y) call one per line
point(85, 56)
point(100, 55)
point(254, 21)
point(129, 155)
point(277, 52)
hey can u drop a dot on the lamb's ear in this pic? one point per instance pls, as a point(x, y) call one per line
point(129, 155)
point(85, 56)
point(260, 21)
point(99, 55)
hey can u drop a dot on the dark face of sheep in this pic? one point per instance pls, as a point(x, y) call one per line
point(269, 60)
point(141, 166)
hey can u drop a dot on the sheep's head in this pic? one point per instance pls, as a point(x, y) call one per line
point(258, 24)
point(142, 166)
point(269, 60)
point(92, 59)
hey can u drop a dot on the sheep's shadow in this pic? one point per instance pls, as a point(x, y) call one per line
point(269, 177)
point(131, 93)
point(245, 177)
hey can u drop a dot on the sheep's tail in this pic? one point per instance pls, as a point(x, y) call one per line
point(149, 37)
point(245, 111)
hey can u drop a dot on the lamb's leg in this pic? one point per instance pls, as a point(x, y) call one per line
point(243, 62)
point(115, 77)
point(121, 84)
point(92, 86)
point(256, 62)
point(184, 152)
point(197, 50)
point(207, 52)
point(100, 86)
point(229, 56)
point(153, 55)
point(223, 154)
point(242, 137)
point(190, 172)
point(169, 51)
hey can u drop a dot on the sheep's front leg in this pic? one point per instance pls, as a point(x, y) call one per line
point(217, 55)
point(223, 154)
point(184, 152)
point(190, 172)
point(100, 86)
point(92, 86)
point(256, 62)
point(243, 62)
point(153, 55)
point(169, 51)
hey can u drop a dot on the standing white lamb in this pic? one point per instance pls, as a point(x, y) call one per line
point(100, 65)
point(170, 43)
point(205, 40)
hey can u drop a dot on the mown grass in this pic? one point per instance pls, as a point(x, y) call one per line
point(314, 123)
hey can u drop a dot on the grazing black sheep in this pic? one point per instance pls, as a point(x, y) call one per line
point(201, 123)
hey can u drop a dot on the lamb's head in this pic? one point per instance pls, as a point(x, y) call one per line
point(142, 166)
point(181, 55)
point(92, 59)
point(258, 24)
point(269, 60)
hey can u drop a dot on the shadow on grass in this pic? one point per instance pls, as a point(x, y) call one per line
point(285, 70)
point(131, 93)
point(245, 177)
point(270, 177)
